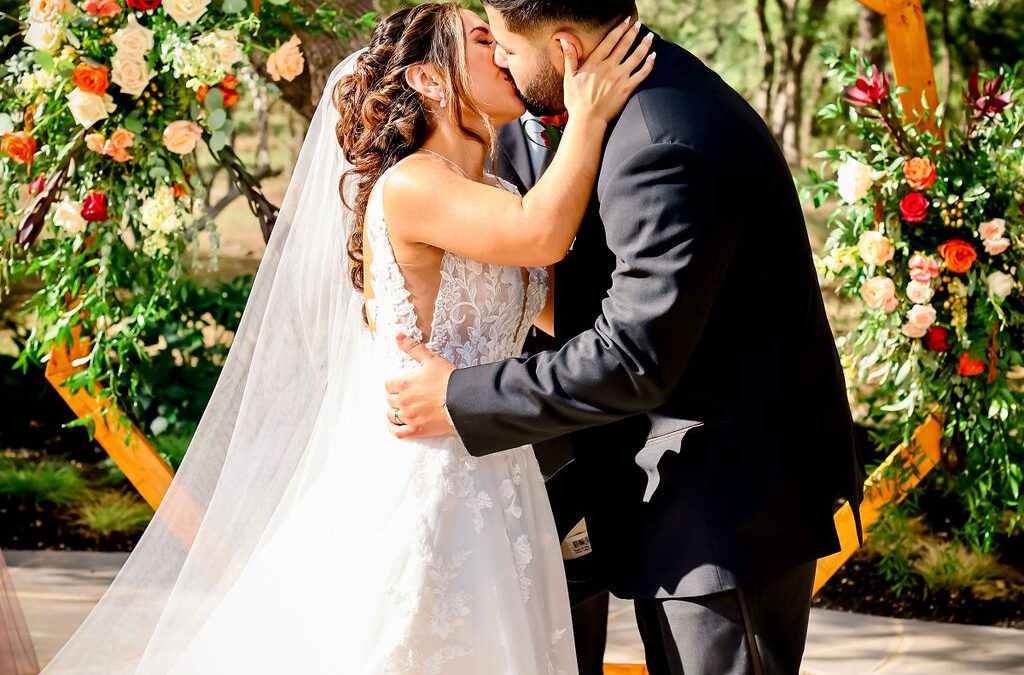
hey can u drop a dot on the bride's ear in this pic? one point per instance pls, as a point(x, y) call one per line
point(423, 78)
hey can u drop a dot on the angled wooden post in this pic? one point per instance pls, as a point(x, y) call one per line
point(122, 440)
point(910, 53)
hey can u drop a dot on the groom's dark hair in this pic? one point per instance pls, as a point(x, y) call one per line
point(522, 16)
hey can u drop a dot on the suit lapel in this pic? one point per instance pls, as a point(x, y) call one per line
point(512, 144)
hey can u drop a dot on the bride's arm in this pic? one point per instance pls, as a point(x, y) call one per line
point(428, 202)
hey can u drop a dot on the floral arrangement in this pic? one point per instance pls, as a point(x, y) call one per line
point(928, 235)
point(104, 110)
point(551, 128)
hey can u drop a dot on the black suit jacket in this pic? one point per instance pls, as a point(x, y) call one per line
point(699, 380)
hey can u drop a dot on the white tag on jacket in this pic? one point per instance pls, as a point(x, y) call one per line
point(577, 543)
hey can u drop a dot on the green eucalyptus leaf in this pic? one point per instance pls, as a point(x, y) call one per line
point(44, 60)
point(217, 141)
point(217, 119)
point(133, 123)
point(214, 99)
point(233, 6)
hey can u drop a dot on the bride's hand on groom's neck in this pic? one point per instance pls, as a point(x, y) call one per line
point(416, 402)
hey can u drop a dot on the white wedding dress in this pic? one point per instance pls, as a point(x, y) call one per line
point(455, 565)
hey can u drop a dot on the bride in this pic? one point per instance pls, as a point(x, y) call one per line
point(299, 536)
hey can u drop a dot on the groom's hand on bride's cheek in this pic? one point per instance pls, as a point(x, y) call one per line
point(416, 401)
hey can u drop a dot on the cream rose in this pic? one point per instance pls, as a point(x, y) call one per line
point(879, 293)
point(130, 73)
point(67, 215)
point(133, 39)
point(1000, 285)
point(996, 246)
point(225, 45)
point(855, 181)
point(47, 11)
point(45, 36)
point(185, 11)
point(182, 136)
point(88, 109)
point(287, 62)
point(920, 293)
point(875, 248)
point(919, 319)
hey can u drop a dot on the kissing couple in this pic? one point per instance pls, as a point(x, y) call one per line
point(316, 526)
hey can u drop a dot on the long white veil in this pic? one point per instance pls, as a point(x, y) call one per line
point(261, 436)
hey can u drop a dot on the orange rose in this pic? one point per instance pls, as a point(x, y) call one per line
point(92, 79)
point(101, 8)
point(920, 173)
point(958, 254)
point(20, 146)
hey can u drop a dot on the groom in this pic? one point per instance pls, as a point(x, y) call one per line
point(697, 376)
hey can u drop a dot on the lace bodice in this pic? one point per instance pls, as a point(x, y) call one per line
point(483, 311)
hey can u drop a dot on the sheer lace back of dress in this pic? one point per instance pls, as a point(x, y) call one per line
point(483, 311)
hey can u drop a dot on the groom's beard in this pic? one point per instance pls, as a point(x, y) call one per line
point(545, 93)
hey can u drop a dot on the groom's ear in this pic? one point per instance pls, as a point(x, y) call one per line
point(555, 48)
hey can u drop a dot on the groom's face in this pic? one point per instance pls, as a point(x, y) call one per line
point(535, 62)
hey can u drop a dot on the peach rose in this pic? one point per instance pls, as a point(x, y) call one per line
point(875, 248)
point(919, 320)
point(115, 148)
point(19, 146)
point(287, 62)
point(920, 293)
point(185, 11)
point(90, 78)
point(996, 246)
point(879, 293)
point(920, 173)
point(924, 268)
point(101, 8)
point(182, 136)
point(1000, 285)
point(95, 142)
point(992, 229)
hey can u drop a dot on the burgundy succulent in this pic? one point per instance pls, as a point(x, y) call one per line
point(984, 95)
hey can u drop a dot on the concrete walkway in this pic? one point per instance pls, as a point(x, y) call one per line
point(57, 589)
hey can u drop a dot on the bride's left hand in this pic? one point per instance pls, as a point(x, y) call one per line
point(416, 401)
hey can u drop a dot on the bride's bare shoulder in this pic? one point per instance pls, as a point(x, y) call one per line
point(415, 185)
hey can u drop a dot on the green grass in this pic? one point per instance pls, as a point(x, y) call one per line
point(104, 513)
point(45, 482)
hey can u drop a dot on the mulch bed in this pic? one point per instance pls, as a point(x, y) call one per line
point(860, 587)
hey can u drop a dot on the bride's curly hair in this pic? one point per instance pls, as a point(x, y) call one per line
point(383, 119)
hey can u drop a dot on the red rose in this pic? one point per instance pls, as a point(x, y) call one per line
point(179, 190)
point(970, 367)
point(914, 207)
point(36, 186)
point(94, 207)
point(559, 120)
point(230, 96)
point(229, 82)
point(144, 5)
point(959, 255)
point(937, 339)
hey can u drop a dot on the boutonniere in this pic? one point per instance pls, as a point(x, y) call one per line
point(553, 126)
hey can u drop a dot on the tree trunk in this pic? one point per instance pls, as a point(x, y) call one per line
point(871, 34)
point(322, 52)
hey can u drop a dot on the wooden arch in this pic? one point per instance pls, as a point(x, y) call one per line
point(912, 63)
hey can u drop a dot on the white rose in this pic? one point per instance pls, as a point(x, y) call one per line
point(855, 181)
point(44, 36)
point(224, 45)
point(182, 136)
point(287, 62)
point(68, 216)
point(130, 73)
point(133, 39)
point(185, 11)
point(88, 109)
point(920, 293)
point(1000, 285)
point(47, 11)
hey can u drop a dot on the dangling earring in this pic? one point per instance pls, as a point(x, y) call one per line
point(444, 101)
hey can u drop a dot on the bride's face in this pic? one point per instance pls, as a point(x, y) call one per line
point(491, 86)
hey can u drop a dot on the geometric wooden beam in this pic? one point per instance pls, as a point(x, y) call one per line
point(122, 440)
point(911, 57)
point(888, 485)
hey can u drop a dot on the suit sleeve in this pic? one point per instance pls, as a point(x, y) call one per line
point(672, 234)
